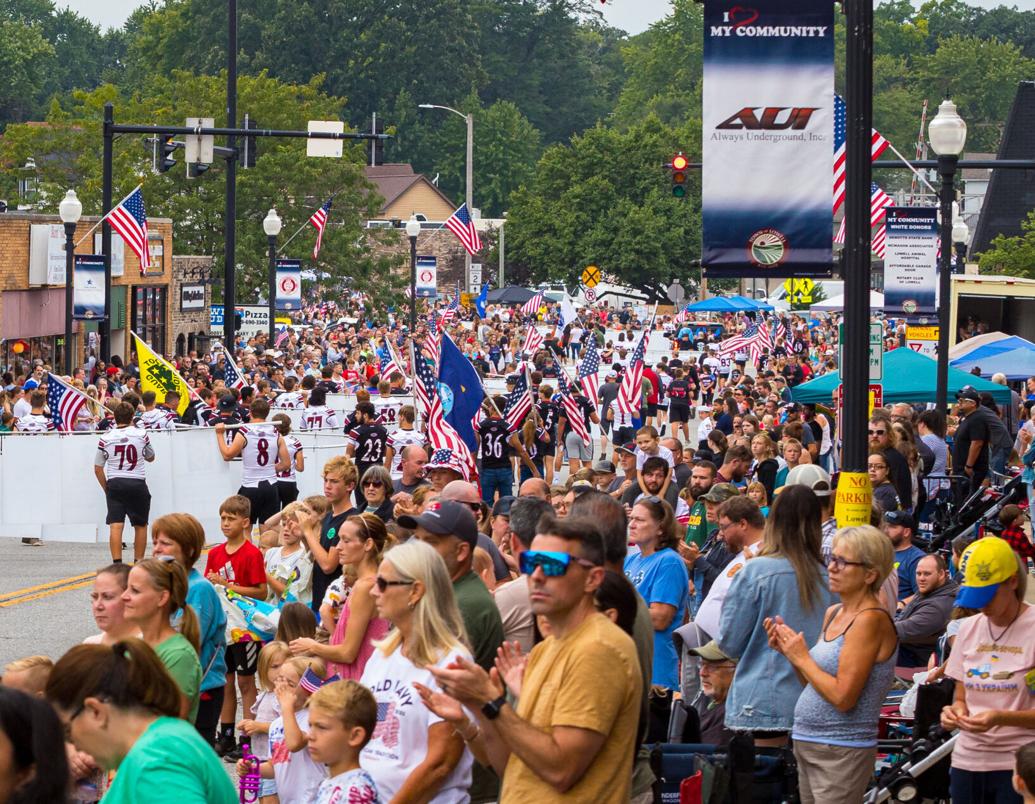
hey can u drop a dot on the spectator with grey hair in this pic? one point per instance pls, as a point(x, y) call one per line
point(512, 597)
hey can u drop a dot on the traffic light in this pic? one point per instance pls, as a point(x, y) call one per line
point(194, 170)
point(679, 167)
point(249, 152)
point(164, 148)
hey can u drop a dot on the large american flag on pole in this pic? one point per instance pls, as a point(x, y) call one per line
point(533, 340)
point(65, 403)
point(531, 307)
point(232, 376)
point(879, 201)
point(519, 403)
point(319, 220)
point(462, 225)
point(630, 392)
point(130, 220)
point(753, 340)
point(454, 305)
point(588, 368)
point(878, 145)
point(390, 364)
point(572, 409)
point(425, 383)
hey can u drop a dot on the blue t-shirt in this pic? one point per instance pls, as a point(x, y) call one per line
point(202, 597)
point(661, 578)
point(906, 561)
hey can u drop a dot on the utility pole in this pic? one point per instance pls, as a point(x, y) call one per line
point(106, 172)
point(230, 216)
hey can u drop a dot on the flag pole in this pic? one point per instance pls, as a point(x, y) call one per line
point(413, 369)
point(106, 214)
point(282, 246)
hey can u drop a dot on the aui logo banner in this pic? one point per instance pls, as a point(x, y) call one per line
point(767, 134)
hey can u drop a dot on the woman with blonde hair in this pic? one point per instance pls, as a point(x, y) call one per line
point(764, 466)
point(419, 754)
point(156, 592)
point(847, 672)
point(362, 542)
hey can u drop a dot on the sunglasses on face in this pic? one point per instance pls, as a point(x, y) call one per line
point(372, 483)
point(383, 583)
point(878, 432)
point(553, 564)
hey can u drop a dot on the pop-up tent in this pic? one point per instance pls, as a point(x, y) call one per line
point(835, 303)
point(727, 304)
point(511, 294)
point(980, 355)
point(1016, 364)
point(908, 377)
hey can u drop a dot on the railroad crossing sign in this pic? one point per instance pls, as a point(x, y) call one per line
point(799, 291)
point(591, 276)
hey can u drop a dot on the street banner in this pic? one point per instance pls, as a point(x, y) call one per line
point(427, 277)
point(768, 139)
point(911, 263)
point(88, 287)
point(289, 284)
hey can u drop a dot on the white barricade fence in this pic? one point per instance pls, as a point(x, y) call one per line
point(48, 488)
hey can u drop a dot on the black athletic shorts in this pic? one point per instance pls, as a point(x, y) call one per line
point(243, 658)
point(128, 497)
point(652, 409)
point(623, 435)
point(678, 412)
point(287, 492)
point(264, 499)
point(605, 424)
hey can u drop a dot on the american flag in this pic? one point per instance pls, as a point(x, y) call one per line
point(572, 409)
point(461, 224)
point(588, 368)
point(390, 365)
point(879, 201)
point(232, 376)
point(879, 243)
point(425, 384)
point(683, 315)
point(130, 221)
point(454, 305)
point(531, 307)
point(519, 403)
point(319, 220)
point(752, 340)
point(65, 403)
point(631, 390)
point(443, 436)
point(878, 145)
point(533, 341)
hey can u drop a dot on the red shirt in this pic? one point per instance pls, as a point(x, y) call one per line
point(243, 567)
point(1018, 541)
point(655, 383)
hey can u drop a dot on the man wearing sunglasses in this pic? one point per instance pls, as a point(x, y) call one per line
point(449, 527)
point(581, 686)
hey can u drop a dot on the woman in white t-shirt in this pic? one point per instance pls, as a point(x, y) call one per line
point(413, 749)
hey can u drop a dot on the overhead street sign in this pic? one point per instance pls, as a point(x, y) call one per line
point(591, 276)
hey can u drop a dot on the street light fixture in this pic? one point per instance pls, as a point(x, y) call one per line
point(412, 230)
point(271, 225)
point(70, 209)
point(947, 134)
point(469, 192)
point(960, 237)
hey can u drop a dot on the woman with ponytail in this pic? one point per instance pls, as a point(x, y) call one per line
point(120, 705)
point(362, 543)
point(156, 592)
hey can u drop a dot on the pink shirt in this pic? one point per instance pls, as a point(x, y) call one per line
point(377, 629)
point(993, 674)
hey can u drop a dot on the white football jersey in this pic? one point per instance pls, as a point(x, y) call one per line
point(35, 423)
point(123, 451)
point(156, 419)
point(388, 411)
point(319, 417)
point(294, 446)
point(259, 456)
point(400, 440)
point(289, 400)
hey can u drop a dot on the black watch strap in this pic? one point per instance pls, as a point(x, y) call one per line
point(491, 710)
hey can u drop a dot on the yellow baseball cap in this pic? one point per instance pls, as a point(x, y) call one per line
point(983, 566)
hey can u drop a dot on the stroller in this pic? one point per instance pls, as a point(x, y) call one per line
point(979, 509)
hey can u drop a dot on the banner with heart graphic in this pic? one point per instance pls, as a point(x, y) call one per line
point(768, 138)
point(289, 284)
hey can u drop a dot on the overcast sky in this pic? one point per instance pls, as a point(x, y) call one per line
point(630, 15)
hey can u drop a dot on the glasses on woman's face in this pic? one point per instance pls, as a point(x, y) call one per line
point(383, 583)
point(840, 562)
point(877, 467)
point(372, 484)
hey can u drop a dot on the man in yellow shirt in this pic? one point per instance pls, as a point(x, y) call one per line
point(572, 734)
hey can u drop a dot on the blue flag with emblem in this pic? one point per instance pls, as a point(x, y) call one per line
point(482, 300)
point(465, 391)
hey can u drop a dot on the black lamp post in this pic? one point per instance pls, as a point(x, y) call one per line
point(271, 225)
point(70, 209)
point(947, 134)
point(412, 230)
point(960, 236)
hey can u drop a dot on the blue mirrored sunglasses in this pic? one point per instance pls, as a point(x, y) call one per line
point(553, 564)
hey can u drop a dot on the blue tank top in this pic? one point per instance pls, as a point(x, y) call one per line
point(816, 720)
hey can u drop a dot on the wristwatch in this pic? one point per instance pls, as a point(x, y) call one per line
point(491, 710)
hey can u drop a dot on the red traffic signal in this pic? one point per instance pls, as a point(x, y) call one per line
point(680, 162)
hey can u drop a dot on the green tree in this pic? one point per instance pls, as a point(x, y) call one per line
point(1012, 256)
point(25, 59)
point(605, 199)
point(68, 152)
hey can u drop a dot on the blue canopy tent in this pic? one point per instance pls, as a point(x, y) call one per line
point(726, 304)
point(908, 377)
point(979, 356)
point(1016, 364)
point(764, 306)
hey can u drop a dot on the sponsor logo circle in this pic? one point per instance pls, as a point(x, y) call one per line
point(767, 247)
point(910, 306)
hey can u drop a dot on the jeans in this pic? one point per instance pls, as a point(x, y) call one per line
point(987, 787)
point(497, 479)
point(526, 473)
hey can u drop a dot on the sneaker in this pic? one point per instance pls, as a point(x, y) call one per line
point(33, 542)
point(224, 744)
point(233, 755)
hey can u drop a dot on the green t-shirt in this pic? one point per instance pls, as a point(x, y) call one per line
point(181, 660)
point(698, 528)
point(171, 762)
point(481, 618)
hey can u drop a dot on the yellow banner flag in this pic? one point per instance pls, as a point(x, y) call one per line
point(159, 376)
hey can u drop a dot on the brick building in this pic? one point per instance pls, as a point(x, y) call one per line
point(191, 296)
point(32, 288)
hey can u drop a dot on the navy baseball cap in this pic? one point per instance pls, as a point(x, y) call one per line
point(445, 518)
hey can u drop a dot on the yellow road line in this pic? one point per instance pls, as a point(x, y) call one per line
point(46, 593)
point(42, 586)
